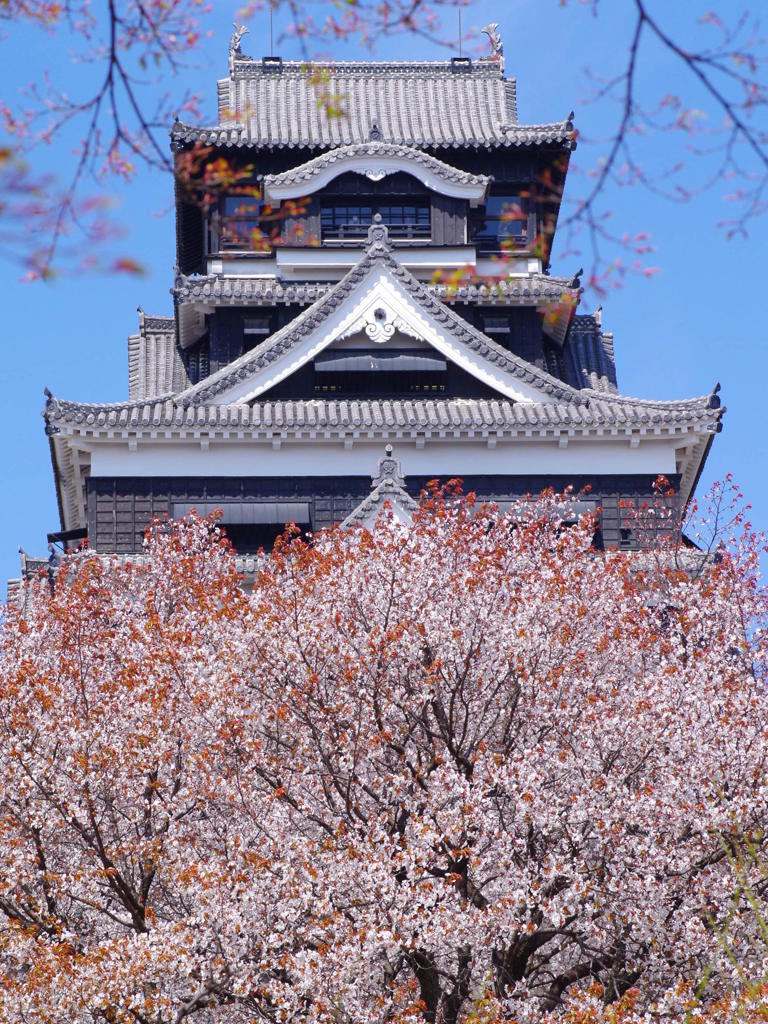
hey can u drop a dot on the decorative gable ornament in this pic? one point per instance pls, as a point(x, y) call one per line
point(388, 469)
point(380, 325)
point(388, 491)
point(378, 321)
point(378, 233)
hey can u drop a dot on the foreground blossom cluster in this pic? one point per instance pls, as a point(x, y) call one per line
point(467, 770)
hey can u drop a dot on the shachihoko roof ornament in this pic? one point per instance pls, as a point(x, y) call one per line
point(235, 49)
point(492, 31)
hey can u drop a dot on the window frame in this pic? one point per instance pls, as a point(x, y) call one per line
point(493, 243)
point(256, 216)
point(419, 229)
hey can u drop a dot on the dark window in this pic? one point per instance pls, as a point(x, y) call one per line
point(243, 224)
point(377, 361)
point(405, 218)
point(250, 525)
point(248, 539)
point(504, 225)
point(258, 325)
point(393, 372)
point(385, 385)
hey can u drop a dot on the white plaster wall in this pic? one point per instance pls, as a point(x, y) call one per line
point(328, 264)
point(323, 458)
point(415, 259)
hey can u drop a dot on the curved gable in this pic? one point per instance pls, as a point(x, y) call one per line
point(375, 160)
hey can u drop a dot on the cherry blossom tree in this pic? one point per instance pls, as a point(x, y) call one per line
point(465, 770)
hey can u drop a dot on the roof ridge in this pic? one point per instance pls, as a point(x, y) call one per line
point(711, 399)
point(565, 123)
point(530, 286)
point(486, 67)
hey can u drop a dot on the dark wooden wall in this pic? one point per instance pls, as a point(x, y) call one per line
point(449, 220)
point(190, 249)
point(510, 171)
point(524, 338)
point(119, 510)
point(226, 337)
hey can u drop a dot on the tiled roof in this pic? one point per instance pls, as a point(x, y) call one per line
point(588, 323)
point(591, 410)
point(290, 336)
point(529, 290)
point(154, 363)
point(211, 289)
point(592, 350)
point(305, 172)
point(586, 360)
point(589, 363)
point(344, 134)
point(416, 103)
point(33, 568)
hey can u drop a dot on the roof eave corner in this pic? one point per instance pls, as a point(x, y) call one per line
point(719, 410)
point(574, 132)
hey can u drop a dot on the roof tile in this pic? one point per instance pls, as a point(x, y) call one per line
point(419, 103)
point(592, 409)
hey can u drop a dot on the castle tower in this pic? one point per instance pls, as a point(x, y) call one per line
point(377, 274)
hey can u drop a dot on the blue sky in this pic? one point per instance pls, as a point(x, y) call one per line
point(698, 321)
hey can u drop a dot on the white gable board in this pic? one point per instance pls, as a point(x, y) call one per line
point(380, 307)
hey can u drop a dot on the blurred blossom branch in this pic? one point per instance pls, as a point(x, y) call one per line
point(724, 140)
point(129, 45)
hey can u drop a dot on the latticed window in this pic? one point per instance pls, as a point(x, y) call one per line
point(496, 324)
point(405, 219)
